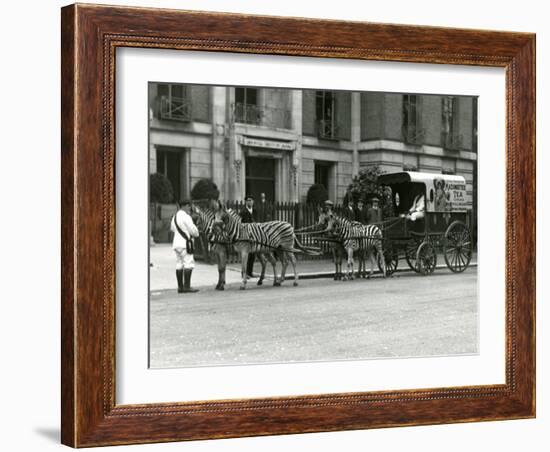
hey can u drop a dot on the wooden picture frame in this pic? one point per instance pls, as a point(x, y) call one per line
point(90, 36)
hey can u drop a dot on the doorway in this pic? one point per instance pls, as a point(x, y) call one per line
point(260, 178)
point(171, 163)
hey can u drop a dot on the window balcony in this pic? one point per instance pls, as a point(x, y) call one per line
point(328, 129)
point(413, 135)
point(452, 142)
point(261, 116)
point(175, 108)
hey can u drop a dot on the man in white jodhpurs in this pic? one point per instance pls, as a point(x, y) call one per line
point(184, 231)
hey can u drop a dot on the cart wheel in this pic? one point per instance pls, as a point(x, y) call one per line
point(410, 254)
point(426, 258)
point(391, 259)
point(457, 247)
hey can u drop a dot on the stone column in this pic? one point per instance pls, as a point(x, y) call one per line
point(236, 170)
point(152, 156)
point(234, 182)
point(218, 101)
point(355, 130)
point(296, 160)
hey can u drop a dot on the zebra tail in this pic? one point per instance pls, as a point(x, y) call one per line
point(309, 250)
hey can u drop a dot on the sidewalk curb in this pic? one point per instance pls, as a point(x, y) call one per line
point(376, 274)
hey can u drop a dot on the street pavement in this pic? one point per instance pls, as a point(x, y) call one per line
point(162, 270)
point(407, 315)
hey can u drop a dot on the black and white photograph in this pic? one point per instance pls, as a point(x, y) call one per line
point(301, 225)
point(275, 226)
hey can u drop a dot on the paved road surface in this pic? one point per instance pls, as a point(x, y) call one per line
point(407, 315)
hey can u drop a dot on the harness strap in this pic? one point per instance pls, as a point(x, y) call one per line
point(189, 241)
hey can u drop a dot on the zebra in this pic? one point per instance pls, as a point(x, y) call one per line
point(337, 248)
point(355, 236)
point(204, 219)
point(267, 240)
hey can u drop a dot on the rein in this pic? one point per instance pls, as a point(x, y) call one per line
point(306, 228)
point(391, 222)
point(311, 233)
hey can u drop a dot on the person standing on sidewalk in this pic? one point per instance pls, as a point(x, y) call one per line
point(184, 231)
point(361, 212)
point(248, 215)
point(349, 211)
point(374, 213)
point(263, 210)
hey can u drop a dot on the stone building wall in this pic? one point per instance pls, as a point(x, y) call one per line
point(210, 141)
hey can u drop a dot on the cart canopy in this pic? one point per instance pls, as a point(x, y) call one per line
point(444, 192)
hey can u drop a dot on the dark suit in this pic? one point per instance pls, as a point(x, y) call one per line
point(263, 212)
point(361, 215)
point(249, 217)
point(374, 215)
point(349, 213)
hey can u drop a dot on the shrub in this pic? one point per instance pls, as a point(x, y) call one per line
point(317, 194)
point(160, 189)
point(365, 186)
point(205, 189)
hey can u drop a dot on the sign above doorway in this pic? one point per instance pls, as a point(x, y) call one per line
point(270, 144)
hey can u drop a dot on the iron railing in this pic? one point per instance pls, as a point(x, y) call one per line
point(299, 215)
point(327, 129)
point(175, 108)
point(413, 135)
point(261, 116)
point(452, 141)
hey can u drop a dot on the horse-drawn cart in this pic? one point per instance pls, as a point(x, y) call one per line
point(430, 216)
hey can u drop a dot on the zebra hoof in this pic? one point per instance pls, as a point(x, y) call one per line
point(242, 287)
point(276, 283)
point(295, 284)
point(260, 282)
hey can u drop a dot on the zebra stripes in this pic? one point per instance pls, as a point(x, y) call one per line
point(267, 240)
point(204, 219)
point(364, 239)
point(262, 237)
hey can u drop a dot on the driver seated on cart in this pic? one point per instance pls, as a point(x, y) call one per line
point(415, 215)
point(416, 212)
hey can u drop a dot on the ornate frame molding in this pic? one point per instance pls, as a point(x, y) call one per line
point(90, 36)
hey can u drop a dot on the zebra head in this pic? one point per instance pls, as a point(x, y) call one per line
point(323, 218)
point(226, 224)
point(203, 219)
point(334, 224)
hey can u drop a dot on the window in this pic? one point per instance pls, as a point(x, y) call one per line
point(171, 163)
point(325, 111)
point(413, 133)
point(246, 96)
point(322, 174)
point(450, 137)
point(174, 102)
point(246, 106)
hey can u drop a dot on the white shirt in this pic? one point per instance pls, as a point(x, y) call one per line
point(185, 222)
point(418, 204)
point(417, 209)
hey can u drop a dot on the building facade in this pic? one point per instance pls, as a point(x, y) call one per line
point(282, 141)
